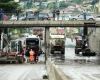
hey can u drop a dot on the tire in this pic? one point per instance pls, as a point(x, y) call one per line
point(91, 19)
point(76, 51)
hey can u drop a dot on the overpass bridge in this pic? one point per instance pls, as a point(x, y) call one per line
point(19, 24)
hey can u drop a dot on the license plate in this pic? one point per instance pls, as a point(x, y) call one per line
point(57, 51)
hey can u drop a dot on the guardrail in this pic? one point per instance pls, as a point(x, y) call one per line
point(55, 72)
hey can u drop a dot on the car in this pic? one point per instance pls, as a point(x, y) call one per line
point(97, 18)
point(28, 15)
point(22, 18)
point(64, 17)
point(81, 17)
point(88, 52)
point(67, 17)
point(50, 16)
point(32, 16)
point(13, 18)
point(43, 16)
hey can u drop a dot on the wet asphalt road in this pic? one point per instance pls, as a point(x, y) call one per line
point(22, 71)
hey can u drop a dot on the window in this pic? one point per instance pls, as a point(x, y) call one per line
point(32, 41)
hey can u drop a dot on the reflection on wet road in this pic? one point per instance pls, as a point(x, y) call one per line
point(22, 72)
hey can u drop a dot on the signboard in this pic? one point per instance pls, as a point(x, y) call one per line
point(57, 36)
point(57, 31)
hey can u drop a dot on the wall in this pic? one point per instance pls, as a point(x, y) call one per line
point(94, 40)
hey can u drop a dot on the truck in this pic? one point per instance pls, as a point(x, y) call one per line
point(29, 42)
point(58, 49)
point(82, 46)
point(78, 47)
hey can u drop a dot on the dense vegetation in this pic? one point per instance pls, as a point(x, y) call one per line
point(8, 5)
point(60, 5)
point(77, 1)
point(94, 2)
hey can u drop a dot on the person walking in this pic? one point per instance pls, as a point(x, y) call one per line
point(24, 54)
point(31, 57)
point(53, 14)
point(27, 55)
point(57, 13)
point(63, 15)
point(5, 17)
point(23, 59)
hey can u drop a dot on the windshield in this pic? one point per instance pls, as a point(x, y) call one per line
point(57, 47)
point(42, 15)
point(32, 41)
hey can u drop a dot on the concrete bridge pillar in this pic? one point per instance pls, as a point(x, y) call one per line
point(47, 42)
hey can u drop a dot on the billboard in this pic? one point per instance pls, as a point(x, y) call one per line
point(57, 31)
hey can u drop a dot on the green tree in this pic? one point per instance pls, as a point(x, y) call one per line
point(51, 5)
point(94, 8)
point(3, 1)
point(94, 2)
point(8, 5)
point(63, 4)
point(77, 1)
point(29, 4)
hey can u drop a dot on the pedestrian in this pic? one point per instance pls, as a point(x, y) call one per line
point(57, 13)
point(35, 57)
point(27, 55)
point(63, 15)
point(84, 15)
point(5, 17)
point(23, 59)
point(53, 14)
point(32, 53)
point(1, 14)
point(24, 54)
